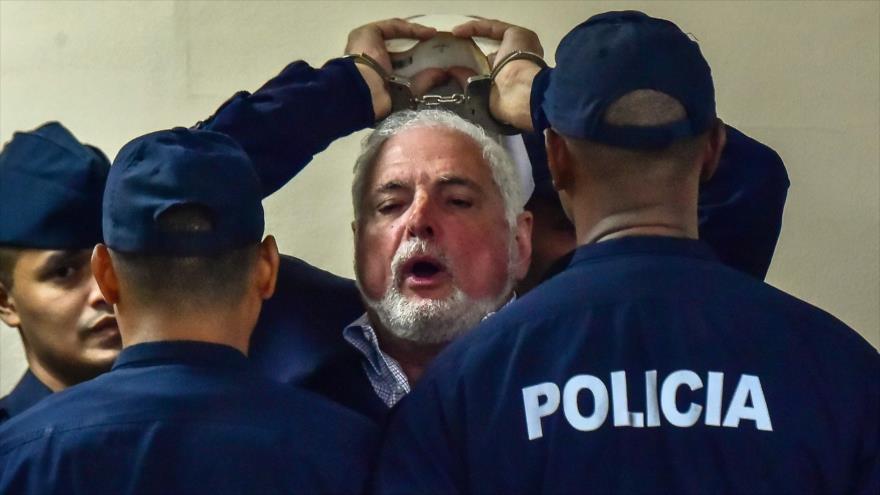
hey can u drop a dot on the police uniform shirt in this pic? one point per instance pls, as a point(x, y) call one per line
point(28, 392)
point(184, 417)
point(645, 367)
point(298, 338)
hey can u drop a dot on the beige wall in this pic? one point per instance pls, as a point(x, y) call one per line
point(801, 77)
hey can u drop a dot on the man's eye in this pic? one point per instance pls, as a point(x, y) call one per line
point(63, 272)
point(460, 203)
point(388, 208)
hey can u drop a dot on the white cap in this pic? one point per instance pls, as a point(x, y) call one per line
point(411, 56)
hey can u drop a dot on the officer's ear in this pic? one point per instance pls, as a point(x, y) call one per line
point(713, 149)
point(524, 222)
point(105, 274)
point(559, 161)
point(268, 261)
point(8, 312)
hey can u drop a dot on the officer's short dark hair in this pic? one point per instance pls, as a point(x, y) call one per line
point(186, 281)
point(8, 259)
point(637, 109)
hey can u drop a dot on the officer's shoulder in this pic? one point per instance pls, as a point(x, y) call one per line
point(312, 421)
point(41, 420)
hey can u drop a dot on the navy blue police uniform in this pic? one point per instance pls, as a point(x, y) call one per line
point(26, 393)
point(647, 365)
point(298, 339)
point(184, 416)
point(51, 187)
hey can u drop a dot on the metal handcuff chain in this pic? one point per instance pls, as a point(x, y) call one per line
point(472, 105)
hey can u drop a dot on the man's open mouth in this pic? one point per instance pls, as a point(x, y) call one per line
point(423, 269)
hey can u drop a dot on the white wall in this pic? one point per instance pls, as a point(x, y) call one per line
point(801, 77)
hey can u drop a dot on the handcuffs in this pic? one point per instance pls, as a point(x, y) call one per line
point(472, 105)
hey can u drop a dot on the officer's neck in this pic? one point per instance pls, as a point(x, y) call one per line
point(54, 381)
point(63, 375)
point(216, 327)
point(600, 215)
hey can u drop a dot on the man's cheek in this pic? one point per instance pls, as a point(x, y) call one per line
point(375, 276)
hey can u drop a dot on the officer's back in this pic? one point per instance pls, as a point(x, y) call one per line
point(688, 377)
point(646, 366)
point(182, 411)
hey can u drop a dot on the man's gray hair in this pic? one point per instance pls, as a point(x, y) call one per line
point(504, 171)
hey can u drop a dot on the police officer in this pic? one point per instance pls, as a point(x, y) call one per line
point(50, 219)
point(740, 209)
point(301, 111)
point(182, 411)
point(646, 365)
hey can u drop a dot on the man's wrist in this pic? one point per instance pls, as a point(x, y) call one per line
point(375, 76)
point(511, 93)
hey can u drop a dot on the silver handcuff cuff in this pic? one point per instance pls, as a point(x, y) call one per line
point(472, 105)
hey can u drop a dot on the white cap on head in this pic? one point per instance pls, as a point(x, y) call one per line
point(410, 56)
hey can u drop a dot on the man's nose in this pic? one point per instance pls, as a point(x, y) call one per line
point(421, 223)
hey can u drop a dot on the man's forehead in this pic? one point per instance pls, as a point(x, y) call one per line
point(440, 181)
point(433, 156)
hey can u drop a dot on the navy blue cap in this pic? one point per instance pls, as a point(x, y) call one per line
point(615, 53)
point(178, 167)
point(50, 190)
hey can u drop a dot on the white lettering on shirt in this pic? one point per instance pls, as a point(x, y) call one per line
point(748, 402)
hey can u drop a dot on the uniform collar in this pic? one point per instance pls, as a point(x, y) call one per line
point(180, 352)
point(28, 392)
point(648, 245)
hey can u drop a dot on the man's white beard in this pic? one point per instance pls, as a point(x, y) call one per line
point(431, 321)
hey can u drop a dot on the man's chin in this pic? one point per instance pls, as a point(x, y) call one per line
point(430, 321)
point(427, 296)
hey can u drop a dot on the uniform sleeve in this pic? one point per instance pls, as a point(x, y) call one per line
point(869, 468)
point(740, 207)
point(418, 454)
point(870, 482)
point(294, 116)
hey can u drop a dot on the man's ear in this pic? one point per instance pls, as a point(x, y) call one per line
point(559, 160)
point(8, 311)
point(713, 150)
point(267, 267)
point(523, 245)
point(105, 274)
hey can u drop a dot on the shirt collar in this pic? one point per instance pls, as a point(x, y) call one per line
point(361, 336)
point(649, 245)
point(28, 392)
point(180, 352)
point(385, 374)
